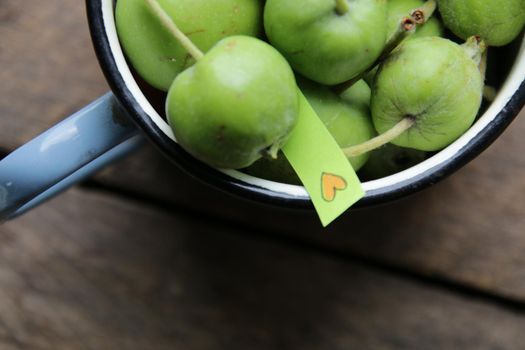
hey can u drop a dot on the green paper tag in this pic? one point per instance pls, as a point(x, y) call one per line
point(322, 166)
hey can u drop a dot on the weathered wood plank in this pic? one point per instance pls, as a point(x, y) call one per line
point(472, 237)
point(48, 70)
point(468, 228)
point(88, 271)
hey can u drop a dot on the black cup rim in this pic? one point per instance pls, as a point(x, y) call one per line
point(220, 180)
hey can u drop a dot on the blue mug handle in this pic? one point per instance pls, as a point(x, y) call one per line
point(70, 151)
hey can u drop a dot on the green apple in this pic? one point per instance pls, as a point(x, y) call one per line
point(156, 55)
point(498, 22)
point(358, 95)
point(237, 103)
point(323, 43)
point(433, 82)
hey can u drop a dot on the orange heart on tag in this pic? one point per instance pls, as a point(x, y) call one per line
point(331, 184)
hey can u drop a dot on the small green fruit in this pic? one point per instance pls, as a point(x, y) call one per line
point(358, 95)
point(348, 121)
point(156, 55)
point(236, 104)
point(433, 82)
point(323, 44)
point(497, 22)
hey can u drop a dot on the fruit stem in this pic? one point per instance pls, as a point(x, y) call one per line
point(341, 7)
point(483, 63)
point(475, 49)
point(406, 27)
point(378, 141)
point(422, 14)
point(168, 23)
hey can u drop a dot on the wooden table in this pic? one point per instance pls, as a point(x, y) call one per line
point(128, 261)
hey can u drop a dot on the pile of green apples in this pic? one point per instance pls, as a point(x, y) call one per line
point(379, 73)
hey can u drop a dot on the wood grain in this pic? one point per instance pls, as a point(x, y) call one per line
point(88, 271)
point(48, 70)
point(468, 229)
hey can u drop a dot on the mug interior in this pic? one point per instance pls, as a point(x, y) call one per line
point(136, 99)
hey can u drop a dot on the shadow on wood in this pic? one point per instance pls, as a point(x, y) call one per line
point(89, 271)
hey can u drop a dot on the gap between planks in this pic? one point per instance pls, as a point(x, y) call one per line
point(293, 242)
